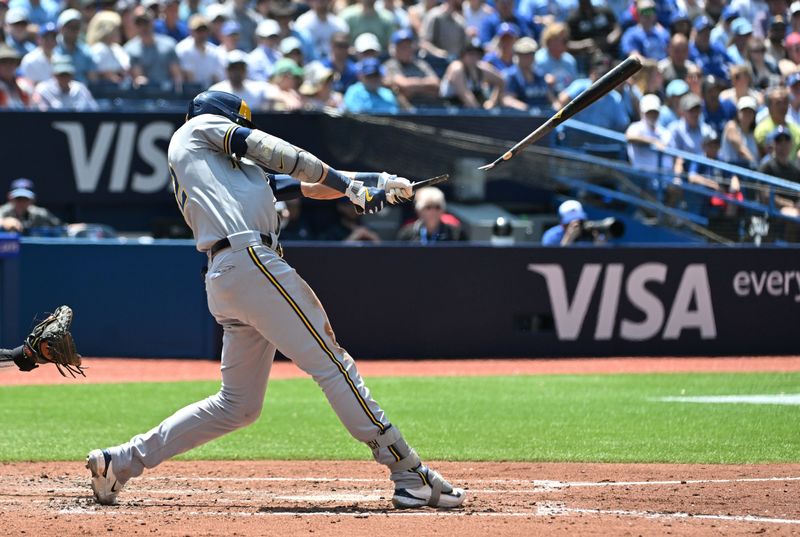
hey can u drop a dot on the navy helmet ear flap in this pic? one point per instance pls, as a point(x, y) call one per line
point(222, 104)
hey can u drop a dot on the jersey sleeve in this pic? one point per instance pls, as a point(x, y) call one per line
point(220, 134)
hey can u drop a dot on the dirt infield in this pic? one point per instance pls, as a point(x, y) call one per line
point(352, 498)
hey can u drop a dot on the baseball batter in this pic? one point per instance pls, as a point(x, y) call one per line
point(216, 161)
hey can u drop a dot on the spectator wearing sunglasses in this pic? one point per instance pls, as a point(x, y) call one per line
point(648, 38)
point(433, 224)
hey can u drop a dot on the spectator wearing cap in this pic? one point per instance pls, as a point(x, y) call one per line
point(777, 100)
point(592, 28)
point(285, 83)
point(170, 22)
point(716, 111)
point(369, 95)
point(261, 61)
point(217, 16)
point(153, 58)
point(794, 16)
point(504, 12)
point(444, 30)
point(39, 12)
point(237, 82)
point(62, 92)
point(711, 58)
point(15, 92)
point(569, 230)
point(781, 163)
point(791, 63)
point(366, 46)
point(340, 62)
point(681, 23)
point(17, 31)
point(476, 13)
point(317, 88)
point(411, 79)
point(610, 112)
point(647, 38)
point(318, 25)
point(501, 48)
point(646, 138)
point(292, 48)
point(20, 214)
point(722, 32)
point(35, 65)
point(472, 83)
point(676, 64)
point(69, 25)
point(553, 58)
point(738, 138)
point(248, 19)
point(741, 85)
point(762, 18)
point(688, 132)
point(230, 36)
point(284, 11)
point(201, 62)
point(671, 107)
point(433, 225)
point(775, 38)
point(103, 35)
point(523, 84)
point(364, 17)
point(741, 32)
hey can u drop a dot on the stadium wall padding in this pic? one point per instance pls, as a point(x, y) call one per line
point(399, 301)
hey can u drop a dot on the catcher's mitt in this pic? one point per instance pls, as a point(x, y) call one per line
point(51, 342)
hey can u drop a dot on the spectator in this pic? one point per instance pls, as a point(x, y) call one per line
point(368, 95)
point(523, 84)
point(38, 12)
point(364, 17)
point(340, 63)
point(201, 62)
point(254, 93)
point(17, 31)
point(723, 31)
point(780, 163)
point(793, 83)
point(569, 230)
point(292, 48)
point(470, 82)
point(763, 18)
point(15, 93)
point(112, 62)
point(248, 19)
point(418, 11)
point(794, 17)
point(411, 79)
point(646, 138)
point(367, 46)
point(444, 30)
point(171, 24)
point(716, 111)
point(791, 62)
point(546, 12)
point(231, 34)
point(554, 59)
point(647, 38)
point(742, 85)
point(774, 42)
point(777, 101)
point(502, 57)
point(69, 24)
point(283, 11)
point(261, 60)
point(433, 224)
point(20, 214)
point(741, 32)
point(217, 16)
point(317, 88)
point(125, 9)
point(765, 71)
point(347, 227)
point(694, 77)
point(318, 25)
point(689, 131)
point(608, 112)
point(649, 78)
point(505, 13)
point(592, 28)
point(61, 92)
point(676, 64)
point(671, 108)
point(738, 139)
point(286, 79)
point(711, 58)
point(36, 64)
point(153, 58)
point(476, 14)
point(398, 12)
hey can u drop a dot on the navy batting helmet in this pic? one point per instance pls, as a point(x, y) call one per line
point(222, 104)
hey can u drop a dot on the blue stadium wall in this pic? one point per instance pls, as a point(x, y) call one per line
point(148, 300)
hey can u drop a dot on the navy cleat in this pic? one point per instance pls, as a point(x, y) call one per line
point(104, 482)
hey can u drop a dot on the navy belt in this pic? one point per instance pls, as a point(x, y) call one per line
point(266, 240)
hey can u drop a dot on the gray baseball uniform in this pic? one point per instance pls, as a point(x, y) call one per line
point(263, 305)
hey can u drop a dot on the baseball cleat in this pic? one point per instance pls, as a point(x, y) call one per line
point(104, 482)
point(435, 493)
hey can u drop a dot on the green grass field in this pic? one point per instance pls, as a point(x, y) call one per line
point(608, 418)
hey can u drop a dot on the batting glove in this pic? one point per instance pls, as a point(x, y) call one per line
point(366, 199)
point(398, 189)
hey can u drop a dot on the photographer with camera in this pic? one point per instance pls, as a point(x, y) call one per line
point(575, 227)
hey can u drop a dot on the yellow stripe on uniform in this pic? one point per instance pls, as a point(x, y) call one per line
point(226, 141)
point(315, 335)
point(394, 453)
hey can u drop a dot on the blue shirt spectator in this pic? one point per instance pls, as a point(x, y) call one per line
point(741, 31)
point(608, 112)
point(368, 95)
point(347, 76)
point(689, 131)
point(69, 26)
point(553, 58)
point(505, 13)
point(570, 216)
point(507, 35)
point(711, 58)
point(179, 32)
point(39, 12)
point(559, 10)
point(17, 23)
point(648, 38)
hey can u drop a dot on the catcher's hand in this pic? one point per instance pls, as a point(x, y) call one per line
point(51, 342)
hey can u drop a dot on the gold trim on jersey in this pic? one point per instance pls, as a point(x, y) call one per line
point(251, 251)
point(226, 140)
